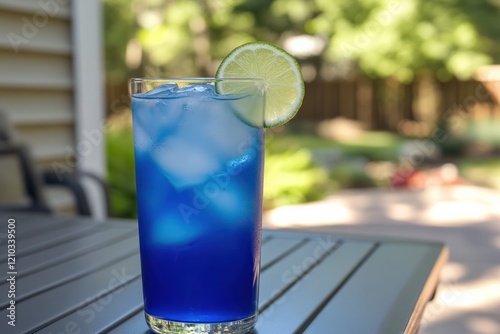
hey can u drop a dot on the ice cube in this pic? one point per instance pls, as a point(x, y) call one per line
point(183, 162)
point(216, 127)
point(237, 165)
point(172, 230)
point(158, 118)
point(160, 91)
point(232, 204)
point(142, 140)
point(230, 137)
point(196, 89)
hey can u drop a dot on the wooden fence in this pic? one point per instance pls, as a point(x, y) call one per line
point(378, 104)
point(385, 104)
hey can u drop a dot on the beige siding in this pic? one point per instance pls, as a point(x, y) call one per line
point(36, 79)
point(43, 106)
point(53, 8)
point(47, 141)
point(32, 70)
point(17, 36)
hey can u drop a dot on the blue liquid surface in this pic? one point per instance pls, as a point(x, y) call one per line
point(199, 186)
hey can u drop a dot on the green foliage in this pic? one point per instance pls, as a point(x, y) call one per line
point(484, 131)
point(291, 177)
point(119, 29)
point(380, 38)
point(483, 172)
point(348, 174)
point(372, 145)
point(121, 172)
point(400, 39)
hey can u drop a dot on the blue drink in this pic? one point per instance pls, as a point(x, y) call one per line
point(199, 169)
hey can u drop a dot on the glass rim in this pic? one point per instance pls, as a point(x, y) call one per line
point(195, 79)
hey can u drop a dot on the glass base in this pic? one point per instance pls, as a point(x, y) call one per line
point(163, 326)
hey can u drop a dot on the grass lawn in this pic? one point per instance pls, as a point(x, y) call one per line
point(374, 145)
point(484, 172)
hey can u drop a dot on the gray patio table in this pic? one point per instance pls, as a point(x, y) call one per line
point(77, 275)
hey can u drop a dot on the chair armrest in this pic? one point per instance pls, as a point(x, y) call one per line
point(32, 186)
point(73, 181)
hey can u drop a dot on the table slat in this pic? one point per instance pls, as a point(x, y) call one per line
point(103, 312)
point(56, 303)
point(52, 276)
point(79, 275)
point(383, 292)
point(60, 252)
point(41, 241)
point(276, 248)
point(35, 225)
point(292, 309)
point(134, 325)
point(283, 274)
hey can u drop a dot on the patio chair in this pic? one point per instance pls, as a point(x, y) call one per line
point(22, 185)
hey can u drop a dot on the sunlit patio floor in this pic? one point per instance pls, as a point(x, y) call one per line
point(466, 218)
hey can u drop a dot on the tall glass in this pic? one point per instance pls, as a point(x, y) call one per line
point(199, 168)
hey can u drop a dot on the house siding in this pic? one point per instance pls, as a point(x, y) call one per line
point(36, 80)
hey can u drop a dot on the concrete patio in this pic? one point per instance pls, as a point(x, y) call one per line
point(466, 218)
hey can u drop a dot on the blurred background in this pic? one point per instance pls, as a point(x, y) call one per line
point(398, 135)
point(399, 94)
point(395, 90)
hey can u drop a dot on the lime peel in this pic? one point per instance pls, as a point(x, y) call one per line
point(282, 78)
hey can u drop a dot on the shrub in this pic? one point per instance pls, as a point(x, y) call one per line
point(121, 171)
point(291, 177)
point(350, 174)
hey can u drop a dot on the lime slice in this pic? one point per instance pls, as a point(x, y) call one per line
point(281, 77)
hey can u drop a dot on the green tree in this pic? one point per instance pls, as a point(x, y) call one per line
point(119, 29)
point(387, 38)
point(378, 38)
